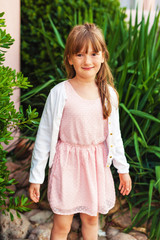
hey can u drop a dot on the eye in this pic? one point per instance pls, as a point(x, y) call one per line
point(94, 54)
point(79, 54)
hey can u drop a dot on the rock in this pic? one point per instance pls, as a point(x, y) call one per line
point(31, 213)
point(123, 219)
point(12, 167)
point(42, 216)
point(44, 205)
point(22, 177)
point(118, 204)
point(101, 233)
point(122, 236)
point(138, 235)
point(111, 232)
point(21, 192)
point(32, 205)
point(75, 225)
point(23, 149)
point(16, 229)
point(12, 187)
point(102, 238)
point(42, 232)
point(73, 236)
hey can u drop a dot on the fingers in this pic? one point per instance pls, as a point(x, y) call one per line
point(125, 185)
point(125, 190)
point(34, 192)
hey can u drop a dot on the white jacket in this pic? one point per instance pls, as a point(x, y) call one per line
point(48, 131)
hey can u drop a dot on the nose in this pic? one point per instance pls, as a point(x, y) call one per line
point(87, 59)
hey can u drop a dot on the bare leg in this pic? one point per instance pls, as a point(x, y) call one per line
point(89, 226)
point(61, 226)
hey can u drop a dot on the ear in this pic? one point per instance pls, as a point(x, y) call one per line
point(70, 60)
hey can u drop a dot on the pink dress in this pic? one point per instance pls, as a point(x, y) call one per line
point(79, 181)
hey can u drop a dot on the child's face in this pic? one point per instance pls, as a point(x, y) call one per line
point(87, 64)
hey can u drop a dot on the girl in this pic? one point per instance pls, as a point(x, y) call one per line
point(79, 132)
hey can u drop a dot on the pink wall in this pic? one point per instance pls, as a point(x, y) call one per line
point(12, 57)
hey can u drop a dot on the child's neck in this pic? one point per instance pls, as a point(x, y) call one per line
point(85, 88)
point(82, 81)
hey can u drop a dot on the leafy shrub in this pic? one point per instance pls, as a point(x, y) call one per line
point(10, 120)
point(135, 64)
point(135, 61)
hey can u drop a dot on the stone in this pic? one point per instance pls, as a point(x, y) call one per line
point(22, 177)
point(44, 205)
point(31, 213)
point(75, 224)
point(21, 192)
point(23, 149)
point(101, 233)
point(12, 188)
point(123, 219)
point(42, 216)
point(117, 206)
point(111, 232)
point(73, 236)
point(138, 235)
point(12, 167)
point(41, 232)
point(16, 229)
point(122, 236)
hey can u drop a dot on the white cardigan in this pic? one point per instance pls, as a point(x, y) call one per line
point(48, 131)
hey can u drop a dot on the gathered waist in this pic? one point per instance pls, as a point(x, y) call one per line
point(80, 145)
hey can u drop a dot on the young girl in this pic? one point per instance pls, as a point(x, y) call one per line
point(79, 132)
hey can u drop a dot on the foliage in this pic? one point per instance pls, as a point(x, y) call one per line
point(10, 119)
point(41, 53)
point(135, 62)
point(135, 65)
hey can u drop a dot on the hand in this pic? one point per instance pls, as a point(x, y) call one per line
point(125, 185)
point(34, 192)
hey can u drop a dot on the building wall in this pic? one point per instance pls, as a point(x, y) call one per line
point(12, 56)
point(143, 5)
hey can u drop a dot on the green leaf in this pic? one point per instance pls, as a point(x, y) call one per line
point(157, 170)
point(11, 216)
point(134, 121)
point(144, 115)
point(150, 193)
point(56, 33)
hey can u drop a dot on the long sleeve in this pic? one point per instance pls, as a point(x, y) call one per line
point(114, 140)
point(119, 159)
point(42, 144)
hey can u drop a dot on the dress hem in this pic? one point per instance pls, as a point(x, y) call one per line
point(81, 211)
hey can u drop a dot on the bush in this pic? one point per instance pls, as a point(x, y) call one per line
point(10, 120)
point(135, 61)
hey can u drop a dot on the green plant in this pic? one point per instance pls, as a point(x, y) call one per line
point(135, 65)
point(10, 120)
point(135, 62)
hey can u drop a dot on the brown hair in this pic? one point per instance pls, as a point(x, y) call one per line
point(80, 36)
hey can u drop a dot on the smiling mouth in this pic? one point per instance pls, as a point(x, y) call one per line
point(87, 68)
